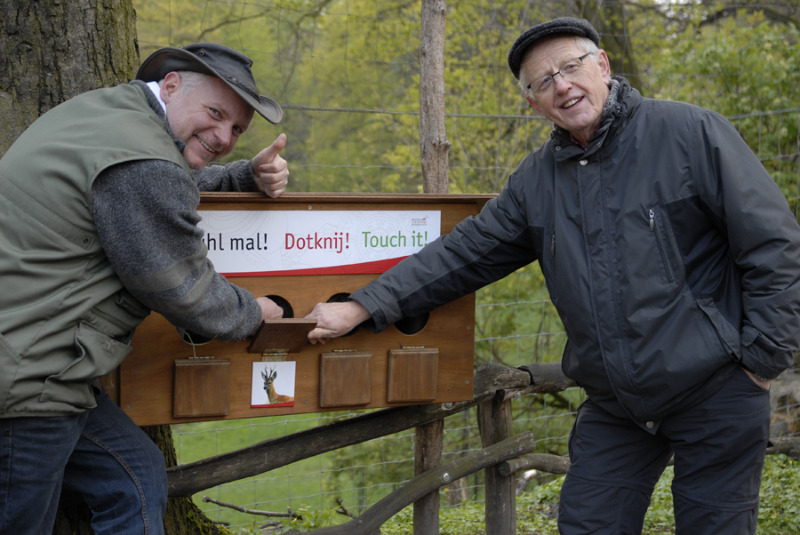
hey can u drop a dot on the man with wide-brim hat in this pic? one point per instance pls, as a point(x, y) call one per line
point(98, 227)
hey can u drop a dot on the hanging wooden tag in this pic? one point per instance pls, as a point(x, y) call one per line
point(413, 374)
point(345, 379)
point(202, 387)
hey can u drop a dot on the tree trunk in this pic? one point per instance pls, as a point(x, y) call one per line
point(183, 516)
point(52, 51)
point(434, 146)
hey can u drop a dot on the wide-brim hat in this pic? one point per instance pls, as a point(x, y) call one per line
point(551, 28)
point(228, 65)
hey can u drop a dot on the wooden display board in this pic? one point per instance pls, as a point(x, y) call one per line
point(166, 379)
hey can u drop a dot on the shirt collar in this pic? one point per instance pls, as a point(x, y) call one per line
point(156, 90)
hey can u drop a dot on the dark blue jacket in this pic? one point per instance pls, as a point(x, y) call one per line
point(669, 252)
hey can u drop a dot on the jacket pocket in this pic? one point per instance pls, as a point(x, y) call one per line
point(97, 355)
point(546, 240)
point(657, 220)
point(117, 316)
point(727, 334)
point(10, 359)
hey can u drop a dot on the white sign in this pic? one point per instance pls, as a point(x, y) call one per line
point(295, 242)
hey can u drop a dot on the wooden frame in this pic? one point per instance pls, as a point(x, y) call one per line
point(146, 378)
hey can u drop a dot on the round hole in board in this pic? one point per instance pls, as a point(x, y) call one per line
point(288, 311)
point(193, 338)
point(413, 324)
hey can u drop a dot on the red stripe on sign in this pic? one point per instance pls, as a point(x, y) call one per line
point(378, 266)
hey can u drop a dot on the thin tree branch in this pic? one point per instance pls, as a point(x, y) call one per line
point(289, 514)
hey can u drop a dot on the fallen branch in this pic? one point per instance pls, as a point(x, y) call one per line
point(789, 446)
point(342, 510)
point(289, 514)
point(544, 462)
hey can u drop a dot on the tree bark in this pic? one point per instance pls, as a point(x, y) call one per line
point(53, 50)
point(183, 517)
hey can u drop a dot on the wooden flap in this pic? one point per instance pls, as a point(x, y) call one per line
point(202, 388)
point(345, 379)
point(413, 374)
point(284, 334)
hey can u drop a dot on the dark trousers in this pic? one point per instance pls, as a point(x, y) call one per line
point(100, 454)
point(719, 448)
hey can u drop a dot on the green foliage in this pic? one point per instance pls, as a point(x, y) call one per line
point(487, 123)
point(779, 511)
point(536, 507)
point(748, 69)
point(347, 73)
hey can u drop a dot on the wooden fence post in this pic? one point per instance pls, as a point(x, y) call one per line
point(495, 425)
point(428, 445)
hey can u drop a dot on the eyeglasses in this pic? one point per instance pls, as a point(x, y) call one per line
point(567, 70)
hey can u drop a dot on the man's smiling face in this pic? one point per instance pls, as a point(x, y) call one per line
point(206, 114)
point(575, 103)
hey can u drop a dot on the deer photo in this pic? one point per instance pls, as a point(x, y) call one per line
point(269, 387)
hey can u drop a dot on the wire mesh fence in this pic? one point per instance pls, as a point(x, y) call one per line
point(347, 74)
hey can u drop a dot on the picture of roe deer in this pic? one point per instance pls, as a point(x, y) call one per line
point(269, 387)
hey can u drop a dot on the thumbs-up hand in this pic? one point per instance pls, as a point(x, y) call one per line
point(270, 170)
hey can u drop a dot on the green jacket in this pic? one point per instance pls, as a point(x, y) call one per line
point(65, 319)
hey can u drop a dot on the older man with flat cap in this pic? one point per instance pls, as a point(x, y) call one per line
point(98, 226)
point(674, 262)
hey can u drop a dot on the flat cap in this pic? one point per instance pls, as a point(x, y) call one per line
point(560, 26)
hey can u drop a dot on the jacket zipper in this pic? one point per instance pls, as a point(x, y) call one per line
point(660, 244)
point(553, 245)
